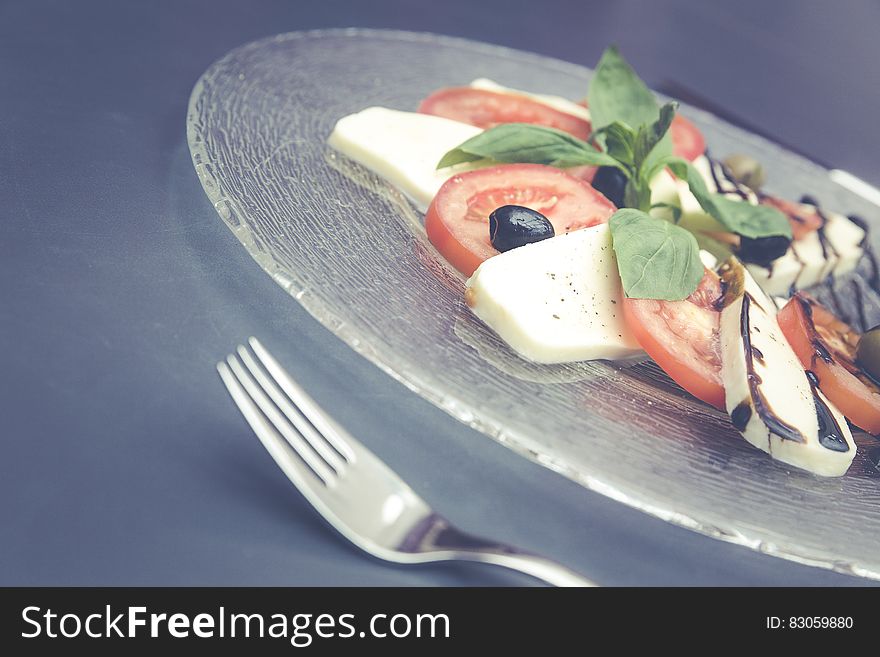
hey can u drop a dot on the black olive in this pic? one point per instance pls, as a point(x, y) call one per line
point(809, 200)
point(868, 353)
point(511, 226)
point(611, 181)
point(763, 250)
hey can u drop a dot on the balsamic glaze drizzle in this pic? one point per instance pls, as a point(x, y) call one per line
point(868, 249)
point(773, 422)
point(860, 305)
point(830, 435)
point(737, 187)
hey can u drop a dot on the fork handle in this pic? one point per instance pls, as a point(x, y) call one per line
point(544, 569)
point(442, 538)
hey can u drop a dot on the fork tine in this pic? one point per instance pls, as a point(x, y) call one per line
point(280, 423)
point(275, 444)
point(331, 431)
point(303, 426)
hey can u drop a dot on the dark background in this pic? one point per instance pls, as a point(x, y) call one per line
point(124, 462)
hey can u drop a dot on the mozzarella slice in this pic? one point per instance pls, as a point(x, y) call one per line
point(846, 240)
point(779, 279)
point(556, 301)
point(768, 395)
point(402, 147)
point(835, 250)
point(664, 189)
point(556, 102)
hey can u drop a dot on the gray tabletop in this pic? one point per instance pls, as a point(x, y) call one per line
point(123, 460)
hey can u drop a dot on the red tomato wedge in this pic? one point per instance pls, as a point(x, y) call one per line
point(486, 109)
point(457, 221)
point(683, 338)
point(804, 219)
point(687, 140)
point(585, 172)
point(826, 346)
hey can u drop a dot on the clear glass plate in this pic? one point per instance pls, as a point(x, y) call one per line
point(353, 252)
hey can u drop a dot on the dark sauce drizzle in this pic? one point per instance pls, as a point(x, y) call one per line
point(860, 305)
point(738, 188)
point(868, 249)
point(762, 408)
point(831, 436)
point(820, 351)
point(827, 247)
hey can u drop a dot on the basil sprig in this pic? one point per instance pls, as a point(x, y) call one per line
point(638, 151)
point(656, 259)
point(524, 142)
point(616, 93)
point(739, 217)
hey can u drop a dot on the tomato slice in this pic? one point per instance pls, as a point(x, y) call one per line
point(827, 347)
point(804, 219)
point(683, 338)
point(585, 172)
point(687, 140)
point(457, 221)
point(486, 109)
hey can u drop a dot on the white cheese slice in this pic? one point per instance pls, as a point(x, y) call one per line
point(777, 280)
point(767, 393)
point(808, 252)
point(664, 189)
point(708, 259)
point(402, 147)
point(556, 301)
point(845, 238)
point(556, 102)
point(808, 262)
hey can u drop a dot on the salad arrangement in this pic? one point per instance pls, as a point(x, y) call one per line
point(604, 230)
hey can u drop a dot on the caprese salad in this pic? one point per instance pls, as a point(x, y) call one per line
point(603, 229)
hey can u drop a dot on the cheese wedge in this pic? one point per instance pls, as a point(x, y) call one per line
point(402, 147)
point(769, 397)
point(556, 301)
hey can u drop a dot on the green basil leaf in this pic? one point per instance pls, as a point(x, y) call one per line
point(749, 220)
point(649, 137)
point(616, 93)
point(457, 156)
point(656, 259)
point(739, 217)
point(619, 142)
point(674, 210)
point(524, 142)
point(631, 195)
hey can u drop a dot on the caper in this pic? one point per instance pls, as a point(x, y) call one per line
point(868, 352)
point(745, 170)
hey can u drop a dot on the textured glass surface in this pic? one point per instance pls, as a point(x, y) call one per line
point(353, 252)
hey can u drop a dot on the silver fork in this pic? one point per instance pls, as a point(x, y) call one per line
point(349, 485)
